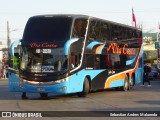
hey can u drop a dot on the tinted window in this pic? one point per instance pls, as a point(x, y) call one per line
point(99, 30)
point(48, 29)
point(79, 28)
point(43, 60)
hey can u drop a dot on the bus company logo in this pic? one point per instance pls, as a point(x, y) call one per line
point(116, 49)
point(6, 114)
point(21, 114)
point(43, 45)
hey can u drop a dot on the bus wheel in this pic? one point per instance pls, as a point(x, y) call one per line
point(85, 89)
point(131, 81)
point(126, 84)
point(44, 95)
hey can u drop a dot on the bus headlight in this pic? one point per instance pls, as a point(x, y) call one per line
point(47, 83)
point(62, 80)
point(63, 88)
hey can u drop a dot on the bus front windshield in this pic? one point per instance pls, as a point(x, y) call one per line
point(43, 60)
point(48, 29)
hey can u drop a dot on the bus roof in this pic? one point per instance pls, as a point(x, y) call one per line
point(62, 15)
point(74, 16)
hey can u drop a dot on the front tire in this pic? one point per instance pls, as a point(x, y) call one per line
point(126, 84)
point(85, 90)
point(131, 82)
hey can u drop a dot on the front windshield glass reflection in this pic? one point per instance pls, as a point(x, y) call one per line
point(43, 60)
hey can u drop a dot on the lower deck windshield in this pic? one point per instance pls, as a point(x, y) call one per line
point(43, 60)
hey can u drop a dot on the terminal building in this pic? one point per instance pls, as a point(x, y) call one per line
point(1, 53)
point(150, 53)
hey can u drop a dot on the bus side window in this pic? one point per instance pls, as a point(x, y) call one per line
point(79, 28)
point(97, 62)
point(74, 60)
point(91, 32)
point(105, 61)
point(123, 59)
point(108, 61)
point(105, 32)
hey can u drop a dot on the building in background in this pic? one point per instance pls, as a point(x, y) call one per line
point(150, 53)
point(1, 52)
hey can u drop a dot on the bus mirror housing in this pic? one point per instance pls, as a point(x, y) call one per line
point(13, 45)
point(14, 57)
point(68, 44)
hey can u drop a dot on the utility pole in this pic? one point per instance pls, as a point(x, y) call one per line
point(8, 40)
point(8, 36)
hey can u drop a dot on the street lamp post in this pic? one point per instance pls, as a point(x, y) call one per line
point(8, 36)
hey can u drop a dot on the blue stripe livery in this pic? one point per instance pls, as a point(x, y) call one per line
point(68, 44)
point(92, 44)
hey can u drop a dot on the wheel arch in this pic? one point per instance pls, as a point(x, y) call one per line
point(134, 77)
point(90, 82)
point(131, 75)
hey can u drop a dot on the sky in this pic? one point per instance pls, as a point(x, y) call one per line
point(17, 12)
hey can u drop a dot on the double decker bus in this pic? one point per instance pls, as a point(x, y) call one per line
point(64, 54)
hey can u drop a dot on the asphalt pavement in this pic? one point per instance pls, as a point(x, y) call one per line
point(140, 98)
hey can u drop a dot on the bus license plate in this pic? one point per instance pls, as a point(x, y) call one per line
point(47, 68)
point(40, 89)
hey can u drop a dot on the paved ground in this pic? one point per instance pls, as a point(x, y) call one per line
point(138, 99)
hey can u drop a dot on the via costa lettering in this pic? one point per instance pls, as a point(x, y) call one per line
point(116, 49)
point(43, 45)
